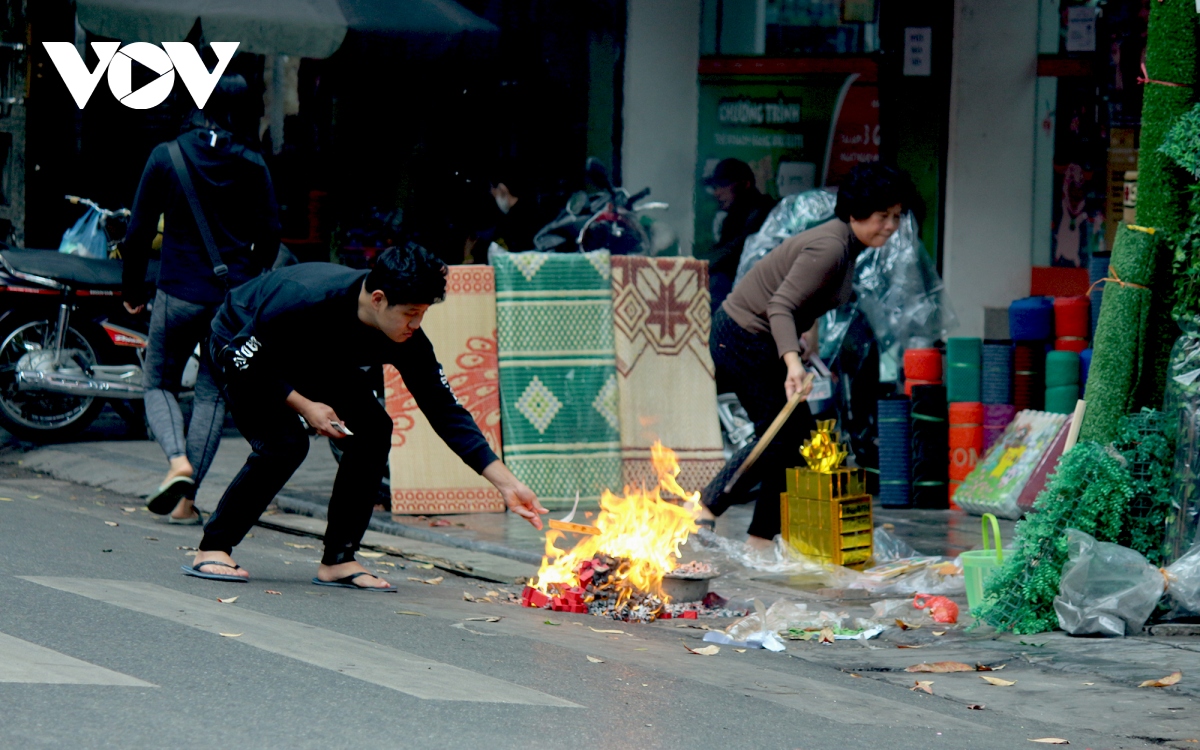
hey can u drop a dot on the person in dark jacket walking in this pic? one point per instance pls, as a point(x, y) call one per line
point(295, 342)
point(732, 184)
point(237, 199)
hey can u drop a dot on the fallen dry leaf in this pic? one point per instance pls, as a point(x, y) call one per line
point(997, 681)
point(432, 581)
point(1051, 741)
point(231, 635)
point(595, 630)
point(150, 538)
point(273, 591)
point(129, 510)
point(976, 706)
point(939, 632)
point(1089, 684)
point(31, 497)
point(740, 650)
point(941, 667)
point(923, 685)
point(111, 523)
point(906, 625)
point(482, 619)
point(466, 596)
point(827, 635)
point(1167, 681)
point(706, 651)
point(369, 554)
point(910, 645)
point(299, 546)
point(230, 600)
point(595, 660)
point(424, 566)
point(9, 500)
point(986, 668)
point(406, 612)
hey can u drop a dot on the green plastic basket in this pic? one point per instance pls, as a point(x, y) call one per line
point(978, 565)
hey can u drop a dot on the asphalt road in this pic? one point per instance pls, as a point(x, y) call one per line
point(104, 643)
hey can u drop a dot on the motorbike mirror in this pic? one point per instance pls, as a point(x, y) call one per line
point(577, 203)
point(598, 173)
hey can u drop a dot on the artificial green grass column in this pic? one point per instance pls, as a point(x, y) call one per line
point(1171, 48)
point(1119, 350)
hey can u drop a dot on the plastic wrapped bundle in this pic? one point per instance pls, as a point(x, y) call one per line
point(996, 378)
point(1031, 319)
point(1062, 381)
point(963, 368)
point(791, 216)
point(930, 447)
point(1121, 337)
point(1072, 321)
point(1097, 269)
point(1183, 407)
point(1029, 384)
point(995, 420)
point(895, 467)
point(997, 481)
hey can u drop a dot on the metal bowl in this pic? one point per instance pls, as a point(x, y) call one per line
point(686, 588)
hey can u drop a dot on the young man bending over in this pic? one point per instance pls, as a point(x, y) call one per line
point(295, 342)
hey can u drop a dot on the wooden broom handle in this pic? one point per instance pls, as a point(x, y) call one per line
point(766, 439)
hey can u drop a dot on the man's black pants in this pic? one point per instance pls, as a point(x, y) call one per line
point(279, 444)
point(751, 364)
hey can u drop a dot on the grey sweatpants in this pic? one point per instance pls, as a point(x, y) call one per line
point(176, 327)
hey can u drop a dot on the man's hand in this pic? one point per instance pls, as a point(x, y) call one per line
point(519, 498)
point(319, 416)
point(134, 310)
point(798, 379)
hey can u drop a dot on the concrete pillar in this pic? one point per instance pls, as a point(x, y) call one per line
point(990, 157)
point(662, 102)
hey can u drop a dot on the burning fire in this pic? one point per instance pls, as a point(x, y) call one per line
point(641, 529)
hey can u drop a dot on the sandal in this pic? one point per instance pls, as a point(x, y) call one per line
point(195, 571)
point(707, 523)
point(196, 520)
point(348, 583)
point(163, 500)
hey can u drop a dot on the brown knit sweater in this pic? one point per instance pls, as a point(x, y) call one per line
point(796, 283)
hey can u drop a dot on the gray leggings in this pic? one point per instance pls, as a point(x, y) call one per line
point(176, 327)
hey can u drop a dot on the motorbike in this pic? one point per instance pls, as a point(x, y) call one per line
point(612, 219)
point(67, 344)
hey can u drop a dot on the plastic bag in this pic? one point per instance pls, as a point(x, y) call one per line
point(1106, 588)
point(886, 547)
point(792, 215)
point(1183, 584)
point(780, 559)
point(87, 238)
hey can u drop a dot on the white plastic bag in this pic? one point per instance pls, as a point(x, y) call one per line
point(87, 238)
point(1183, 583)
point(1106, 588)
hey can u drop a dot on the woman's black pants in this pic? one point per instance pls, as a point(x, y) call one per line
point(751, 365)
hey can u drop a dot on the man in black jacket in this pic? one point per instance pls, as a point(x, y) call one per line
point(237, 201)
point(732, 184)
point(295, 342)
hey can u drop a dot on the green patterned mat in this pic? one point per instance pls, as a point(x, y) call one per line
point(558, 378)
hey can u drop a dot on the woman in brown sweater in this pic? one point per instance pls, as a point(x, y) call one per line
point(767, 328)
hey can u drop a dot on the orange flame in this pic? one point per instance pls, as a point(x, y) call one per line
point(640, 527)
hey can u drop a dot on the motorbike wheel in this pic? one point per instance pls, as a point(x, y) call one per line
point(40, 416)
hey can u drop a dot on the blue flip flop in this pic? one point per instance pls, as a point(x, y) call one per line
point(348, 583)
point(163, 500)
point(196, 572)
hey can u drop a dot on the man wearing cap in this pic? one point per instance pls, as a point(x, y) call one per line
point(732, 184)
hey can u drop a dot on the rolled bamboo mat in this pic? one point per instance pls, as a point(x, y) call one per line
point(996, 379)
point(895, 453)
point(964, 363)
point(930, 447)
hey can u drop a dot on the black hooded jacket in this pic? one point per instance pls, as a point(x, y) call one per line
point(235, 190)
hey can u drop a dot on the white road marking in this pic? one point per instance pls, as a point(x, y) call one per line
point(27, 662)
point(380, 665)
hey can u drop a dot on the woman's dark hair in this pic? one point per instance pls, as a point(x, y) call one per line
point(408, 275)
point(872, 187)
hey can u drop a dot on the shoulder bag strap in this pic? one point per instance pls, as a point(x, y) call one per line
point(189, 191)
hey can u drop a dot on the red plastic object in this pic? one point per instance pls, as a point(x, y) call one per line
point(531, 597)
point(570, 600)
point(940, 608)
point(687, 615)
point(923, 364)
point(1054, 281)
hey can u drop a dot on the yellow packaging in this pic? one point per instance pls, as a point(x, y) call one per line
point(838, 531)
point(839, 483)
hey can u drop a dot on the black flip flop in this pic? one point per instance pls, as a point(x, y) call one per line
point(196, 572)
point(348, 583)
point(707, 523)
point(163, 500)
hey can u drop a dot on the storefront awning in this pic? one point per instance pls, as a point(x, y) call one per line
point(302, 28)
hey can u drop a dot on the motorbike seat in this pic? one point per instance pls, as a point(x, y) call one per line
point(71, 270)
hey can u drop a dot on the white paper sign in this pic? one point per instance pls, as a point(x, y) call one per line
point(1081, 29)
point(918, 42)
